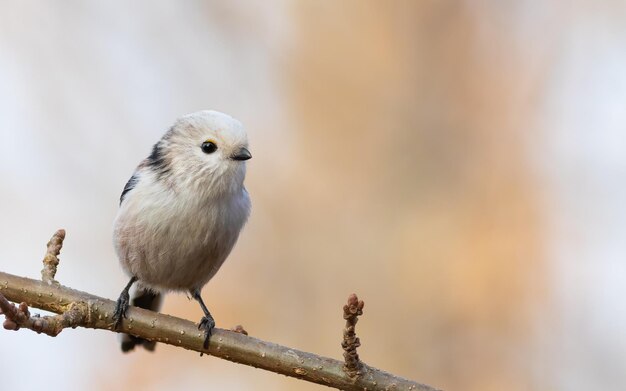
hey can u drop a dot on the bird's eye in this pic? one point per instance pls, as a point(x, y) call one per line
point(209, 147)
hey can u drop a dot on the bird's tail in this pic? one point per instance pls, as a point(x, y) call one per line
point(147, 299)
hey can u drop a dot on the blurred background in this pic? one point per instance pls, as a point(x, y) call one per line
point(460, 165)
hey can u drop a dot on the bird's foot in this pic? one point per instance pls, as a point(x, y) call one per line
point(207, 323)
point(123, 302)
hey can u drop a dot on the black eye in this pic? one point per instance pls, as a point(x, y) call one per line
point(209, 147)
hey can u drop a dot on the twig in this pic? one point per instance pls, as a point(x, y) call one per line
point(80, 309)
point(16, 317)
point(351, 313)
point(51, 260)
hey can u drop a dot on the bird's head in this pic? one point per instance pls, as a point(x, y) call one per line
point(206, 150)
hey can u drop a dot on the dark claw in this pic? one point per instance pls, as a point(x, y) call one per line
point(122, 304)
point(120, 309)
point(207, 324)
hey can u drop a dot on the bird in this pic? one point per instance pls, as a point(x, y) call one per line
point(180, 215)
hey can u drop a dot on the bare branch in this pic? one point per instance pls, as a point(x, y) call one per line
point(51, 260)
point(17, 317)
point(81, 309)
point(351, 313)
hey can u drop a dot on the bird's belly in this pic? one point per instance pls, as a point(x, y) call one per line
point(176, 254)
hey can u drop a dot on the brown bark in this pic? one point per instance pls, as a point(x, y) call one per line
point(81, 309)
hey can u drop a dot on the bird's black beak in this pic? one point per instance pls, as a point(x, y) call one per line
point(242, 154)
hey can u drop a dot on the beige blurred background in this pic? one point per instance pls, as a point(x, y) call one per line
point(460, 165)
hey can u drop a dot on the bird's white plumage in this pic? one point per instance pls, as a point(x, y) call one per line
point(184, 211)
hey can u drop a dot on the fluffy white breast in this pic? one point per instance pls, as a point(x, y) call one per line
point(175, 241)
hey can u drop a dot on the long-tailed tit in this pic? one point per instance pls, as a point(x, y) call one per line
point(181, 213)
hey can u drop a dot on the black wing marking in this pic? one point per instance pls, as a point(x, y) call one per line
point(157, 161)
point(132, 182)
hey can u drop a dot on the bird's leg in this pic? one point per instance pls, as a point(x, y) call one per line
point(122, 304)
point(207, 323)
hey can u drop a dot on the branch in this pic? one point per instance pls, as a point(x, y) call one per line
point(51, 260)
point(17, 317)
point(81, 309)
point(351, 313)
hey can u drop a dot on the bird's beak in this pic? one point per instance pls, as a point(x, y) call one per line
point(241, 154)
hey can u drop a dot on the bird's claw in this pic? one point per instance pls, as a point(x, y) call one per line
point(121, 306)
point(207, 324)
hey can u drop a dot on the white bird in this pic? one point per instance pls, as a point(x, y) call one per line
point(181, 213)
